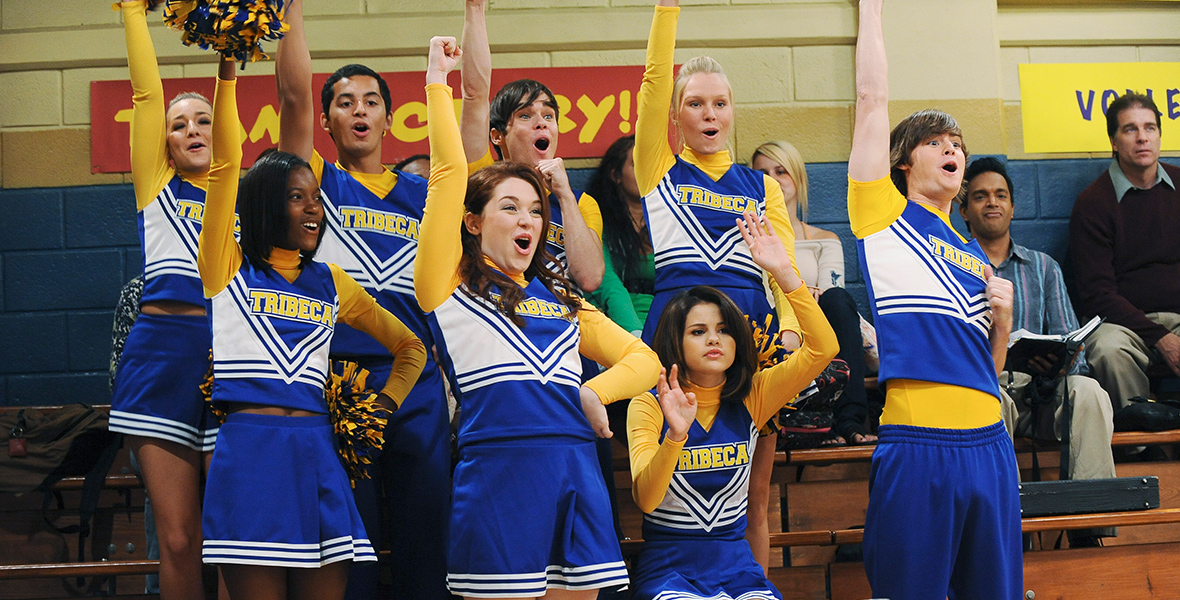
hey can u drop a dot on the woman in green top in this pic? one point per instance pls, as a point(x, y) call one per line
point(626, 291)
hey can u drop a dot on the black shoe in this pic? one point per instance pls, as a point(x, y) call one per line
point(1090, 541)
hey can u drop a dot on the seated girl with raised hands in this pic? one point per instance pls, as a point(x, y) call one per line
point(692, 441)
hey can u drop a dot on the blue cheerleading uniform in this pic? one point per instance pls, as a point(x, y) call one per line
point(696, 241)
point(530, 510)
point(156, 392)
point(691, 202)
point(944, 509)
point(277, 493)
point(693, 492)
point(372, 223)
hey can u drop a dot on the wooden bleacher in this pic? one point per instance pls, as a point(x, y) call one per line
point(827, 492)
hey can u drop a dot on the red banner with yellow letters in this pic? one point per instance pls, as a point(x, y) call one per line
point(597, 106)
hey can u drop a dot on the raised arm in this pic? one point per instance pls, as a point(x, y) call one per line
point(869, 160)
point(653, 461)
point(475, 120)
point(583, 243)
point(819, 346)
point(149, 146)
point(218, 254)
point(440, 248)
point(653, 157)
point(296, 97)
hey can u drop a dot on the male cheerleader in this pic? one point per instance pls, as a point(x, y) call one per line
point(371, 221)
point(521, 122)
point(944, 511)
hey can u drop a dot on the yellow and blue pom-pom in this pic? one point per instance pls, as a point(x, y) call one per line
point(207, 392)
point(233, 28)
point(770, 349)
point(358, 419)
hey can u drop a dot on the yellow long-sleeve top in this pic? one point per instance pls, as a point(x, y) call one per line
point(219, 258)
point(654, 158)
point(873, 207)
point(633, 366)
point(653, 462)
point(150, 168)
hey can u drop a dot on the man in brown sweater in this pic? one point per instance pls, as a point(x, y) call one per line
point(1125, 243)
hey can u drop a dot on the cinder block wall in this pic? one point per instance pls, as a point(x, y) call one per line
point(68, 239)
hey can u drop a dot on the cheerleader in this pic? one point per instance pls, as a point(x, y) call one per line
point(371, 230)
point(156, 400)
point(944, 510)
point(279, 517)
point(521, 122)
point(690, 202)
point(692, 442)
point(530, 516)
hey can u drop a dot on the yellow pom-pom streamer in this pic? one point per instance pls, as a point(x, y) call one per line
point(231, 27)
point(769, 346)
point(358, 420)
point(357, 417)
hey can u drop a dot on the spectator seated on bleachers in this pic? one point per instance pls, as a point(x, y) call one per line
point(820, 258)
point(1040, 306)
point(1126, 254)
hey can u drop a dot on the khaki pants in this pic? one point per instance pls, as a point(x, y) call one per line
point(1090, 428)
point(1120, 359)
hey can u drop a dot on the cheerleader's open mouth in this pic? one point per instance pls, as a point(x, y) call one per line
point(541, 144)
point(523, 242)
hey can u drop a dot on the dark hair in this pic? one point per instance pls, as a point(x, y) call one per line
point(328, 94)
point(262, 207)
point(1128, 101)
point(474, 270)
point(513, 97)
point(989, 164)
point(618, 231)
point(406, 161)
point(912, 131)
point(668, 342)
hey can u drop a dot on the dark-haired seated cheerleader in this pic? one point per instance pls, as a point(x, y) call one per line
point(692, 442)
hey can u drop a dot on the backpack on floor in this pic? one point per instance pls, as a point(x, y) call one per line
point(43, 447)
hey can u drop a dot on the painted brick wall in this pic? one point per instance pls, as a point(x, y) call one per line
point(64, 261)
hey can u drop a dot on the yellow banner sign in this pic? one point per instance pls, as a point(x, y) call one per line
point(1064, 106)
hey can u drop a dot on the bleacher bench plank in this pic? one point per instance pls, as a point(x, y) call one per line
point(1156, 516)
point(112, 482)
point(1145, 438)
point(82, 569)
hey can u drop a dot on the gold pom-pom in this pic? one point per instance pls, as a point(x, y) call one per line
point(207, 392)
point(770, 349)
point(358, 419)
point(231, 27)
